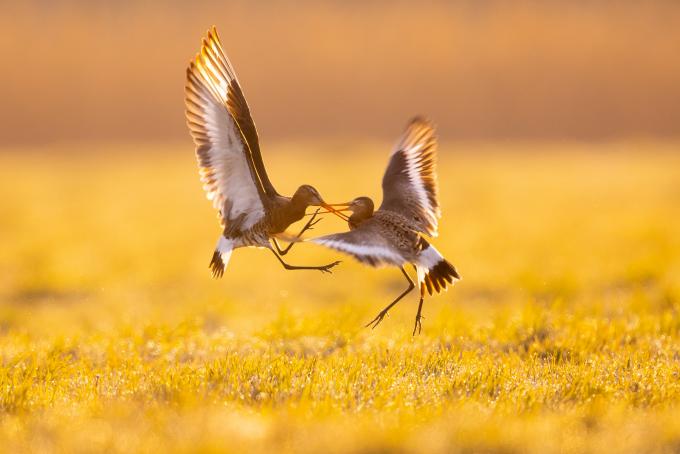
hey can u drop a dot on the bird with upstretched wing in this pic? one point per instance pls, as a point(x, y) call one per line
point(251, 212)
point(395, 233)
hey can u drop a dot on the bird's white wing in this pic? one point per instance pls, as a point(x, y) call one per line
point(410, 181)
point(225, 137)
point(365, 243)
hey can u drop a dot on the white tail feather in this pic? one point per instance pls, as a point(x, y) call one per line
point(225, 246)
point(434, 273)
point(427, 259)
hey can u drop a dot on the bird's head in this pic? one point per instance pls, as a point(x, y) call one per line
point(361, 208)
point(308, 195)
point(361, 205)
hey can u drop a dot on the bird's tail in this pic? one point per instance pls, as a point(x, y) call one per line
point(220, 258)
point(435, 273)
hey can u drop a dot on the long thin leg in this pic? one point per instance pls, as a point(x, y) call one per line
point(308, 226)
point(379, 318)
point(418, 326)
point(323, 269)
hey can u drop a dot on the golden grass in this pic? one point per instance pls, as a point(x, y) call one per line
point(564, 335)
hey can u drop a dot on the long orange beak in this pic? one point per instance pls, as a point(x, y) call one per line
point(338, 213)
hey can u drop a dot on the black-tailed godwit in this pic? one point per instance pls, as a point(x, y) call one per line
point(394, 234)
point(251, 212)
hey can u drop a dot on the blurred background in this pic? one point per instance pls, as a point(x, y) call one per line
point(559, 178)
point(100, 70)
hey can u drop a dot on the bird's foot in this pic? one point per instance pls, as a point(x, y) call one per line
point(327, 268)
point(310, 225)
point(376, 321)
point(418, 325)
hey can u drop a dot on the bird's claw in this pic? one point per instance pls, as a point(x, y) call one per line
point(327, 268)
point(312, 222)
point(376, 321)
point(418, 325)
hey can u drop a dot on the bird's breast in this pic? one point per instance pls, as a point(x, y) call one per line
point(280, 219)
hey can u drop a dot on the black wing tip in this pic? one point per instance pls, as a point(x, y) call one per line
point(217, 265)
point(421, 120)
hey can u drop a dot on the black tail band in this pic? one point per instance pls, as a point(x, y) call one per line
point(439, 276)
point(217, 265)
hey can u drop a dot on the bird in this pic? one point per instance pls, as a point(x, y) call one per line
point(396, 233)
point(250, 210)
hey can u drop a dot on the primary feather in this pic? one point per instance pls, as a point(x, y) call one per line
point(227, 147)
point(410, 181)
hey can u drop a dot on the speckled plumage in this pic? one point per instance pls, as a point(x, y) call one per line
point(384, 229)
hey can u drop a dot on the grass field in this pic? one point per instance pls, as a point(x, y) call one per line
point(563, 336)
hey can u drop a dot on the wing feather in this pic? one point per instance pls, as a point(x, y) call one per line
point(225, 158)
point(410, 181)
point(365, 243)
point(237, 106)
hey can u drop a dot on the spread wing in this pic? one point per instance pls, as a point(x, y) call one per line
point(227, 147)
point(365, 243)
point(410, 181)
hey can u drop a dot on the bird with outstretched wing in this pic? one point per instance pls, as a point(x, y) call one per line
point(251, 211)
point(394, 235)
